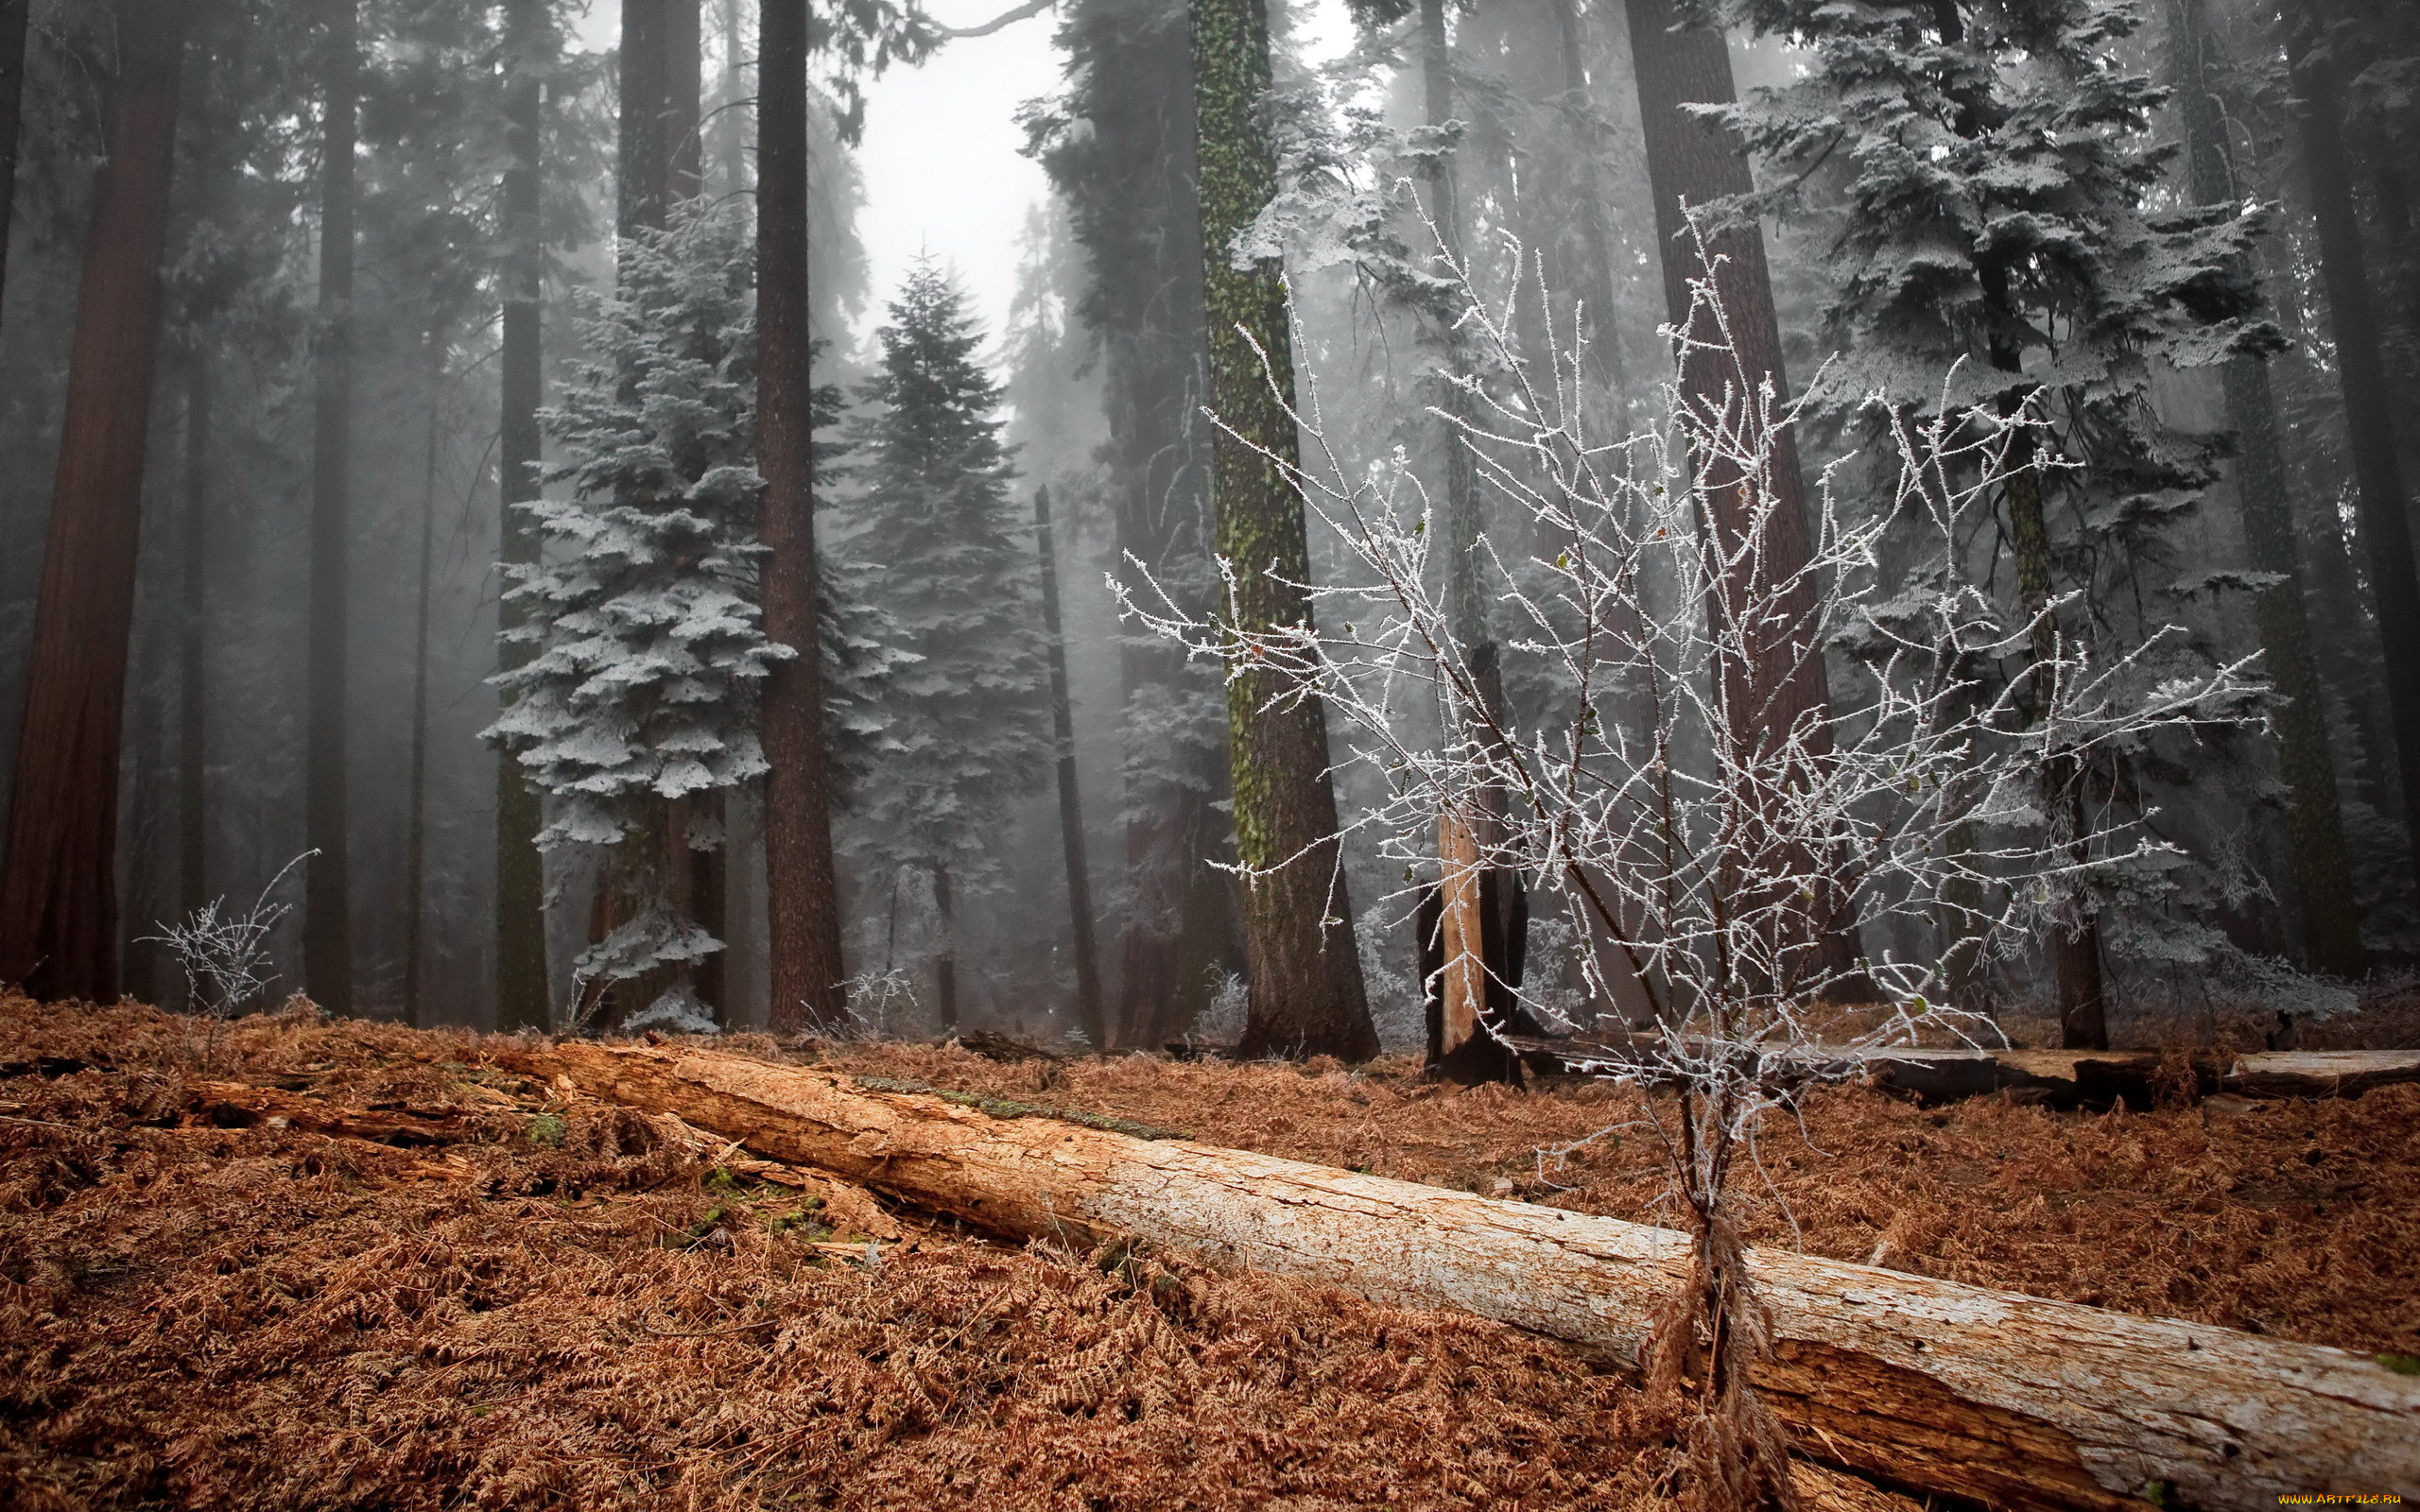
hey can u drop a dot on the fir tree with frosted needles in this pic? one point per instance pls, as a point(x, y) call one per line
point(951, 561)
point(1991, 193)
point(648, 650)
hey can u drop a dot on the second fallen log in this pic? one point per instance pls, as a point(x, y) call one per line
point(2003, 1399)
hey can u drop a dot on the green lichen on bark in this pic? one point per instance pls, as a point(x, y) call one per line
point(1305, 972)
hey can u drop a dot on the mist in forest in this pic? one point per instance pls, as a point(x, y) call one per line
point(410, 469)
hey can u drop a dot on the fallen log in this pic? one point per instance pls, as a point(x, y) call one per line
point(2001, 1398)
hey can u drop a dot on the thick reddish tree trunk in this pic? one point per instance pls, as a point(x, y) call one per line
point(327, 930)
point(1781, 680)
point(57, 895)
point(802, 892)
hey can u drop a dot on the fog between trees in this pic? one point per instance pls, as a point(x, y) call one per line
point(402, 249)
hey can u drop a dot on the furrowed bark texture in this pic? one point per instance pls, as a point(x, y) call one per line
point(2369, 422)
point(801, 892)
point(2331, 925)
point(327, 925)
point(1781, 680)
point(59, 892)
point(2012, 1401)
point(521, 988)
point(1071, 807)
point(1304, 969)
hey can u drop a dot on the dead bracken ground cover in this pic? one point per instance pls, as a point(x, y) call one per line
point(558, 1307)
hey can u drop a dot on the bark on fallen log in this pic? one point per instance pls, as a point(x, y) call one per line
point(2010, 1401)
point(2066, 1078)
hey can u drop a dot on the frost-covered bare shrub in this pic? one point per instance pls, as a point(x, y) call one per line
point(225, 955)
point(1709, 839)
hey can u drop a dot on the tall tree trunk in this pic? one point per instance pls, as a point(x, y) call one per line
point(644, 183)
point(1781, 680)
point(1304, 967)
point(14, 14)
point(1606, 349)
point(1471, 898)
point(1089, 1015)
point(416, 802)
point(684, 110)
point(57, 887)
point(2075, 943)
point(2315, 825)
point(193, 682)
point(800, 884)
point(731, 117)
point(522, 993)
point(327, 930)
point(2361, 370)
point(946, 957)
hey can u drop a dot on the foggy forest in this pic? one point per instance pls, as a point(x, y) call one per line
point(1166, 754)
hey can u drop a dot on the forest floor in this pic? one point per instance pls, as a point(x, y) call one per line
point(556, 1308)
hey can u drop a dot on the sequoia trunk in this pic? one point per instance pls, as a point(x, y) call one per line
point(1779, 682)
point(801, 893)
point(58, 892)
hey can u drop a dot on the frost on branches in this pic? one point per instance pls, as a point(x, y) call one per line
point(1706, 847)
point(639, 699)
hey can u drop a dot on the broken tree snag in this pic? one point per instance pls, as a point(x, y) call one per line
point(2011, 1400)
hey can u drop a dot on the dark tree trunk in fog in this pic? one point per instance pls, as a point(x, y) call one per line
point(14, 14)
point(730, 116)
point(645, 149)
point(193, 683)
point(2385, 523)
point(1605, 350)
point(521, 988)
point(1302, 966)
point(683, 111)
point(945, 958)
point(416, 800)
point(1071, 808)
point(58, 892)
point(1698, 161)
point(327, 927)
point(2315, 824)
point(802, 892)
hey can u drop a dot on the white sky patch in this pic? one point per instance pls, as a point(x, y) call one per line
point(944, 173)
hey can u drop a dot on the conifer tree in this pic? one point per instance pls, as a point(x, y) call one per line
point(650, 650)
point(1994, 178)
point(952, 569)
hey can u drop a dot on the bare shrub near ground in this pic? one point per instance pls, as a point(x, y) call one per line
point(1711, 840)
